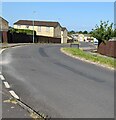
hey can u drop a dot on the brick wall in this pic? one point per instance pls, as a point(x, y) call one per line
point(4, 36)
point(108, 49)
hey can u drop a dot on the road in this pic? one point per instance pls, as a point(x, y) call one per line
point(88, 46)
point(58, 85)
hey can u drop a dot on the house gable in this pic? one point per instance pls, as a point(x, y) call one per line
point(3, 24)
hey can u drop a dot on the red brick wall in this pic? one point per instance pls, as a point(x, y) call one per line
point(4, 36)
point(108, 49)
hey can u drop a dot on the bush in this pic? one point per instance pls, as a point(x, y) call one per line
point(24, 31)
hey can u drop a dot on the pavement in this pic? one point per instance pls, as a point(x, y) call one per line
point(58, 85)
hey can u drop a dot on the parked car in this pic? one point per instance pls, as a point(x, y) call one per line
point(95, 41)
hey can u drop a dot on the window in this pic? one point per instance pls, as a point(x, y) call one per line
point(39, 29)
point(47, 29)
point(27, 26)
point(19, 26)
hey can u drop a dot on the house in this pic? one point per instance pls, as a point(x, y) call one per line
point(88, 38)
point(3, 29)
point(43, 28)
point(64, 32)
point(80, 37)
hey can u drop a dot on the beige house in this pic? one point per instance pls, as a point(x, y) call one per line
point(80, 37)
point(3, 29)
point(43, 28)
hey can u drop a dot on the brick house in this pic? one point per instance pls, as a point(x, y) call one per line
point(3, 29)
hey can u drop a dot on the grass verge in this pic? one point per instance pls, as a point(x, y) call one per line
point(110, 62)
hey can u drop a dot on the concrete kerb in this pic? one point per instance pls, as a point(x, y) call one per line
point(14, 45)
point(34, 113)
point(88, 61)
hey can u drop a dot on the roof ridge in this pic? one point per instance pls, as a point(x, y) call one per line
point(38, 23)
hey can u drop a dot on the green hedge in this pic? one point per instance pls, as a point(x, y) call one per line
point(24, 31)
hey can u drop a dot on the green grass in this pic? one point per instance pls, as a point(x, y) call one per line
point(94, 58)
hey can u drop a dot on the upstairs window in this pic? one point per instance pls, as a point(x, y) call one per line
point(47, 29)
point(27, 26)
point(19, 26)
point(39, 29)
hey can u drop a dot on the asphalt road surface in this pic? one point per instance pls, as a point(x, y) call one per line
point(58, 85)
point(12, 110)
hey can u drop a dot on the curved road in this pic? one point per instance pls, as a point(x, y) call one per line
point(58, 85)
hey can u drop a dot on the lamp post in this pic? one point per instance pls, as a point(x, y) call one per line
point(33, 28)
point(33, 31)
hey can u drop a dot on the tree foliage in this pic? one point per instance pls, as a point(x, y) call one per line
point(114, 33)
point(81, 32)
point(104, 32)
point(71, 32)
point(85, 32)
point(24, 31)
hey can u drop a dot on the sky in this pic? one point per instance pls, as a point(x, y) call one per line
point(77, 16)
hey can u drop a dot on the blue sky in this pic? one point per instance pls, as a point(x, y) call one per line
point(73, 15)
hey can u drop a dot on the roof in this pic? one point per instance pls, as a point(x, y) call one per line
point(64, 28)
point(3, 19)
point(87, 35)
point(37, 23)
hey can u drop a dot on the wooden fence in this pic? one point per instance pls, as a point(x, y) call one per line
point(24, 38)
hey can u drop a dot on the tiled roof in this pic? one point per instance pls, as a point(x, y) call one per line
point(1, 18)
point(37, 23)
point(64, 28)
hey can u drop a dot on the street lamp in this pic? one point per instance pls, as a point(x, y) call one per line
point(33, 28)
point(33, 31)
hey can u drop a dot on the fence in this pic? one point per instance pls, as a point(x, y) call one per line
point(19, 38)
point(24, 38)
point(44, 39)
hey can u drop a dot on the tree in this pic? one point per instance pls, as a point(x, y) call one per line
point(85, 32)
point(71, 32)
point(90, 32)
point(80, 32)
point(103, 33)
point(114, 35)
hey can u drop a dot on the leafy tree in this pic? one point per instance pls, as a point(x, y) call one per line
point(90, 32)
point(103, 33)
point(71, 32)
point(114, 35)
point(85, 32)
point(80, 32)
